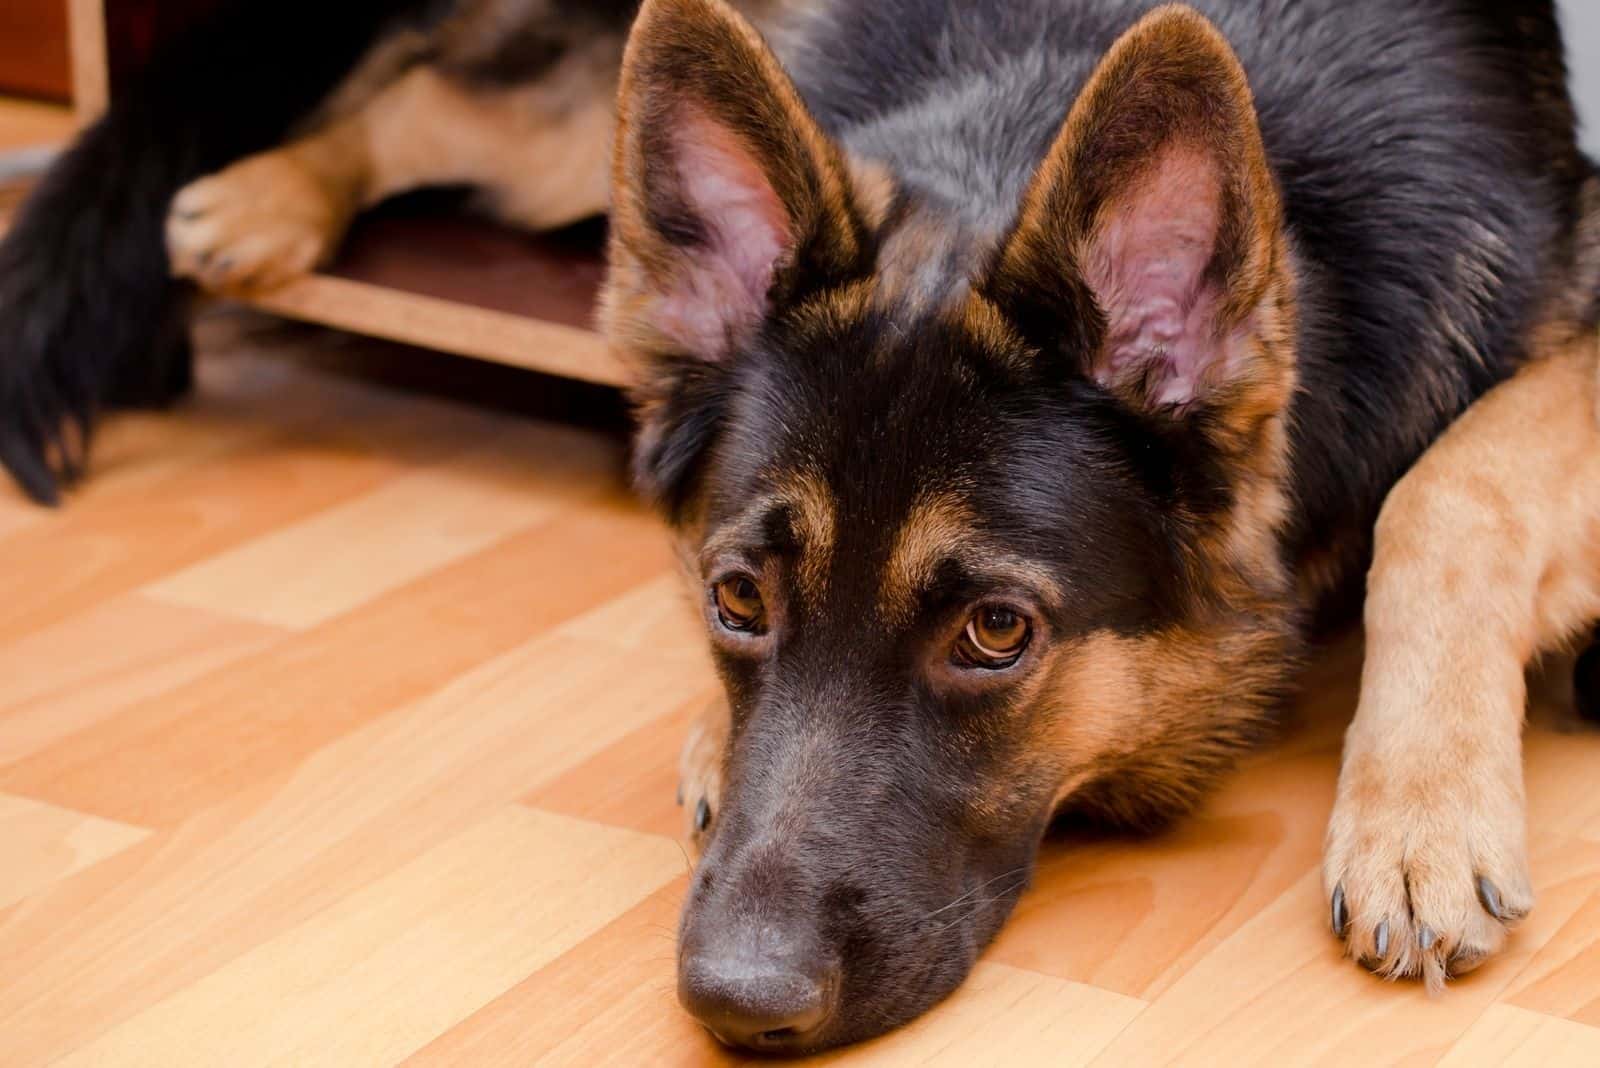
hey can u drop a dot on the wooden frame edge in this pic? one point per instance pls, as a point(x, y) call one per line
point(91, 64)
point(447, 326)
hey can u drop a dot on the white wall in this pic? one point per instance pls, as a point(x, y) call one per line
point(1580, 20)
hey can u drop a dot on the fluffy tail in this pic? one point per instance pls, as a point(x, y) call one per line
point(86, 306)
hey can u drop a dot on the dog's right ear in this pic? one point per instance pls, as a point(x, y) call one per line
point(727, 197)
point(728, 203)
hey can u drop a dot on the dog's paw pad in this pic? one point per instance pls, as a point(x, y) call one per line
point(262, 222)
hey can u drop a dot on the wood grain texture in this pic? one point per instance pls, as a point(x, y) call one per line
point(452, 326)
point(44, 844)
point(68, 677)
point(309, 572)
point(438, 938)
point(1516, 1038)
point(339, 724)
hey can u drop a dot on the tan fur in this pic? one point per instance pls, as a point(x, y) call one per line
point(265, 220)
point(1140, 727)
point(700, 769)
point(1487, 554)
point(910, 265)
point(812, 514)
point(989, 327)
point(539, 152)
point(940, 529)
point(936, 530)
point(875, 190)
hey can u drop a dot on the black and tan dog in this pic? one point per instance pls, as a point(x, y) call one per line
point(1023, 379)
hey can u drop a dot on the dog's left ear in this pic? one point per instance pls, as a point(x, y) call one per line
point(1150, 247)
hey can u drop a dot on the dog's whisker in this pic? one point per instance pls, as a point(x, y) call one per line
point(980, 905)
point(974, 890)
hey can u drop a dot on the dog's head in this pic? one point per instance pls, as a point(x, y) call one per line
point(968, 557)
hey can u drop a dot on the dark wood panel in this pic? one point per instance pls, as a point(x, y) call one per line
point(552, 277)
point(34, 59)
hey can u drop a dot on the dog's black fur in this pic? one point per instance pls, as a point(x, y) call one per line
point(875, 813)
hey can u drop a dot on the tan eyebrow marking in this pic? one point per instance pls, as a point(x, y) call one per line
point(939, 528)
point(815, 527)
point(812, 518)
point(934, 530)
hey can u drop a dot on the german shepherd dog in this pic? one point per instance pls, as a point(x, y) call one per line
point(1022, 380)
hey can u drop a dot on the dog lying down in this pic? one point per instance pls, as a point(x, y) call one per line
point(1022, 380)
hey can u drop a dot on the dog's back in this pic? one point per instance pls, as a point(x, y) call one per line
point(1426, 154)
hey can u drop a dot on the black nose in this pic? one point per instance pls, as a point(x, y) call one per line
point(772, 1003)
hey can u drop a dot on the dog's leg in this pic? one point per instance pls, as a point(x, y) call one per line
point(540, 152)
point(1487, 552)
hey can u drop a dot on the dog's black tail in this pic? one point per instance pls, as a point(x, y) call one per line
point(86, 307)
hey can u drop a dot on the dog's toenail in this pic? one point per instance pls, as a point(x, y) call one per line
point(1426, 938)
point(702, 815)
point(1383, 939)
point(680, 795)
point(1341, 918)
point(1490, 897)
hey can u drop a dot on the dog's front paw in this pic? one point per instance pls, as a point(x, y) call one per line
point(1426, 868)
point(700, 773)
point(262, 222)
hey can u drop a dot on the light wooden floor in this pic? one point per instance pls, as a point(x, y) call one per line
point(338, 725)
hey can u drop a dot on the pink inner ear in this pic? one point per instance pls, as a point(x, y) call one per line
point(1147, 267)
point(720, 293)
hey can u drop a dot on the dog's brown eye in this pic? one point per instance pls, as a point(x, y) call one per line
point(739, 603)
point(995, 638)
